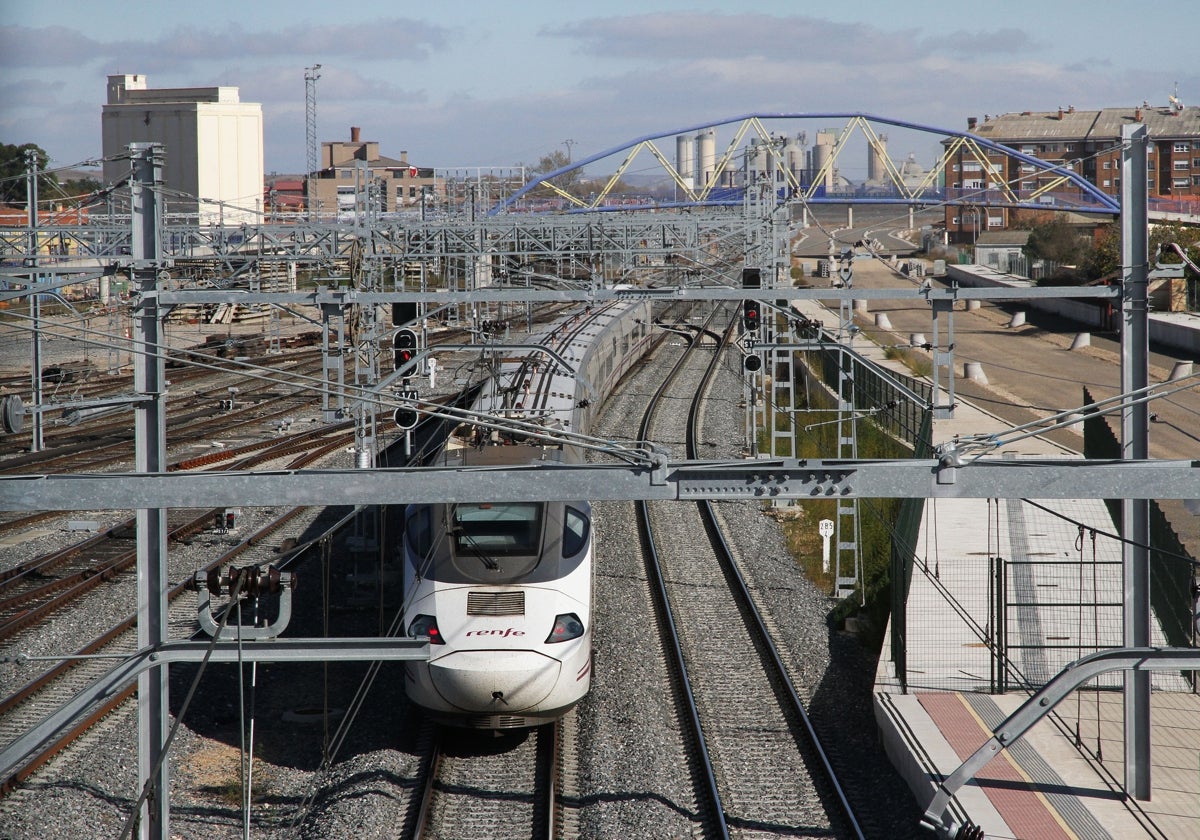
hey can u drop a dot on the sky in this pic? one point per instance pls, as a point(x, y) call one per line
point(504, 83)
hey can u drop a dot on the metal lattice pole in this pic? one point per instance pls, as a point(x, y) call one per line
point(312, 157)
point(848, 537)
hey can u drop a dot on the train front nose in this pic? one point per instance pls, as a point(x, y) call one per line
point(496, 681)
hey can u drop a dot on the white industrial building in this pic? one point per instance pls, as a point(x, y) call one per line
point(213, 145)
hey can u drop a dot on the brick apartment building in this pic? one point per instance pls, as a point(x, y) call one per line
point(347, 167)
point(1086, 141)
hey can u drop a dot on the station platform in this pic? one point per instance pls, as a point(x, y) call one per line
point(1061, 599)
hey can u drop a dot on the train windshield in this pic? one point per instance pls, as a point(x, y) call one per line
point(488, 538)
point(500, 529)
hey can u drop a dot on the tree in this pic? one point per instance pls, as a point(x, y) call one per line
point(1057, 241)
point(13, 169)
point(569, 182)
point(1187, 238)
point(77, 187)
point(1104, 258)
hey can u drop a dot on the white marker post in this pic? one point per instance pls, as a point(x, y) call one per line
point(825, 529)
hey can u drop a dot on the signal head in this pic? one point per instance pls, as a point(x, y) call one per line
point(750, 315)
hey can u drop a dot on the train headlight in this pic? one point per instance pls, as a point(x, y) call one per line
point(426, 625)
point(566, 627)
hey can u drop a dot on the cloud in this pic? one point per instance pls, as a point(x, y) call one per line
point(50, 46)
point(388, 39)
point(1007, 41)
point(659, 37)
point(662, 37)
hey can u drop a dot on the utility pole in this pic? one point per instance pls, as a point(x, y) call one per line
point(150, 456)
point(313, 151)
point(569, 144)
point(1135, 427)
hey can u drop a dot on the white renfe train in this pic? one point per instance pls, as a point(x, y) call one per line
point(504, 589)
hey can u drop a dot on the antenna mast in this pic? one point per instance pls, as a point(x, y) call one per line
point(313, 158)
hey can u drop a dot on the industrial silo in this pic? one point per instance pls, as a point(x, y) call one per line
point(685, 161)
point(706, 155)
point(793, 156)
point(876, 161)
point(822, 156)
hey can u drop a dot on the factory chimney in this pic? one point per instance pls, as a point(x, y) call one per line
point(972, 122)
point(355, 132)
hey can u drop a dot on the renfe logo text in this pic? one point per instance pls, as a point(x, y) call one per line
point(507, 631)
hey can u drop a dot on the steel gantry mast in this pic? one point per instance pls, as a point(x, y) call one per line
point(847, 530)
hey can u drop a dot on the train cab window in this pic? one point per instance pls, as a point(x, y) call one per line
point(495, 543)
point(498, 529)
point(575, 532)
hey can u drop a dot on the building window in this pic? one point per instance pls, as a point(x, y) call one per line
point(1181, 164)
point(1181, 147)
point(1028, 150)
point(1195, 163)
point(1180, 183)
point(1106, 183)
point(954, 220)
point(1069, 147)
point(1108, 164)
point(995, 221)
point(1196, 180)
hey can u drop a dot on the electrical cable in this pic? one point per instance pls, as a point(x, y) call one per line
point(1117, 537)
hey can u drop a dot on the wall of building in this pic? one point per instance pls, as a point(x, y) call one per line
point(213, 145)
point(230, 161)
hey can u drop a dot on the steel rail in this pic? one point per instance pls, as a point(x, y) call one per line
point(714, 809)
point(741, 592)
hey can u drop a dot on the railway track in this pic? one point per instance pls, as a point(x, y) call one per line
point(502, 788)
point(197, 417)
point(33, 590)
point(21, 710)
point(469, 782)
point(758, 766)
point(208, 384)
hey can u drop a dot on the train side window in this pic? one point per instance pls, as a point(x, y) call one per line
point(575, 532)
